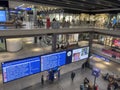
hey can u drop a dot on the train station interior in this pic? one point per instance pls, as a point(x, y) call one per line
point(59, 44)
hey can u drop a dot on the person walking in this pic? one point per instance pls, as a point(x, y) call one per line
point(109, 86)
point(114, 22)
point(86, 81)
point(55, 24)
point(48, 23)
point(72, 76)
point(16, 22)
point(115, 85)
point(40, 22)
point(42, 79)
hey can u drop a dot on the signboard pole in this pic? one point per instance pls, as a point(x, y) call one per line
point(95, 73)
point(94, 82)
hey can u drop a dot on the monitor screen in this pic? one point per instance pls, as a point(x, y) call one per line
point(2, 16)
point(20, 68)
point(53, 60)
point(80, 53)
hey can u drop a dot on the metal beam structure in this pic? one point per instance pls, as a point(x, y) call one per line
point(81, 5)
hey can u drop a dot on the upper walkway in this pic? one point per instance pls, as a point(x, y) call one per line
point(22, 32)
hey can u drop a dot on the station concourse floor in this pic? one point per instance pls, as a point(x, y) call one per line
point(65, 82)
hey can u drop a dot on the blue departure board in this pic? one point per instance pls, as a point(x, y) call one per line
point(20, 68)
point(2, 16)
point(53, 60)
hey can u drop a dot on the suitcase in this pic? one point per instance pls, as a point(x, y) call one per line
point(82, 87)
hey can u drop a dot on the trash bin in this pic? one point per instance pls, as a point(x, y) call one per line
point(14, 44)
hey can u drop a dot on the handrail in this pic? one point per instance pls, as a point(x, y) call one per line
point(36, 32)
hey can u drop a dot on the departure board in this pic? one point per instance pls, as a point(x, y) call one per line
point(53, 60)
point(20, 68)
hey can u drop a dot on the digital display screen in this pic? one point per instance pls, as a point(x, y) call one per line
point(79, 54)
point(2, 16)
point(53, 60)
point(20, 68)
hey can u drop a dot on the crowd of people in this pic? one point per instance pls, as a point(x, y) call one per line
point(113, 81)
point(54, 24)
point(65, 23)
point(86, 83)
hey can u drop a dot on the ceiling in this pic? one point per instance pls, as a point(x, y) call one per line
point(15, 4)
point(83, 5)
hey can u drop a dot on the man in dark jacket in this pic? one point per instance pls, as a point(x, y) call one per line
point(72, 76)
point(42, 79)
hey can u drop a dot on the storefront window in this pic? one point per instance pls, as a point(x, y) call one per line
point(83, 36)
point(108, 41)
point(102, 39)
point(116, 43)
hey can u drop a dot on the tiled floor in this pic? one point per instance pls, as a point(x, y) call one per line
point(65, 82)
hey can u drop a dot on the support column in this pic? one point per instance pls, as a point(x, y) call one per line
point(35, 39)
point(67, 42)
point(91, 34)
point(5, 44)
point(54, 40)
point(35, 16)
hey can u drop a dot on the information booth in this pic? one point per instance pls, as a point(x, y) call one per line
point(54, 74)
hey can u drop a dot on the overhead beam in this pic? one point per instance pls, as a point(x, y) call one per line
point(111, 2)
point(94, 3)
point(102, 10)
point(62, 4)
point(105, 7)
point(83, 3)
